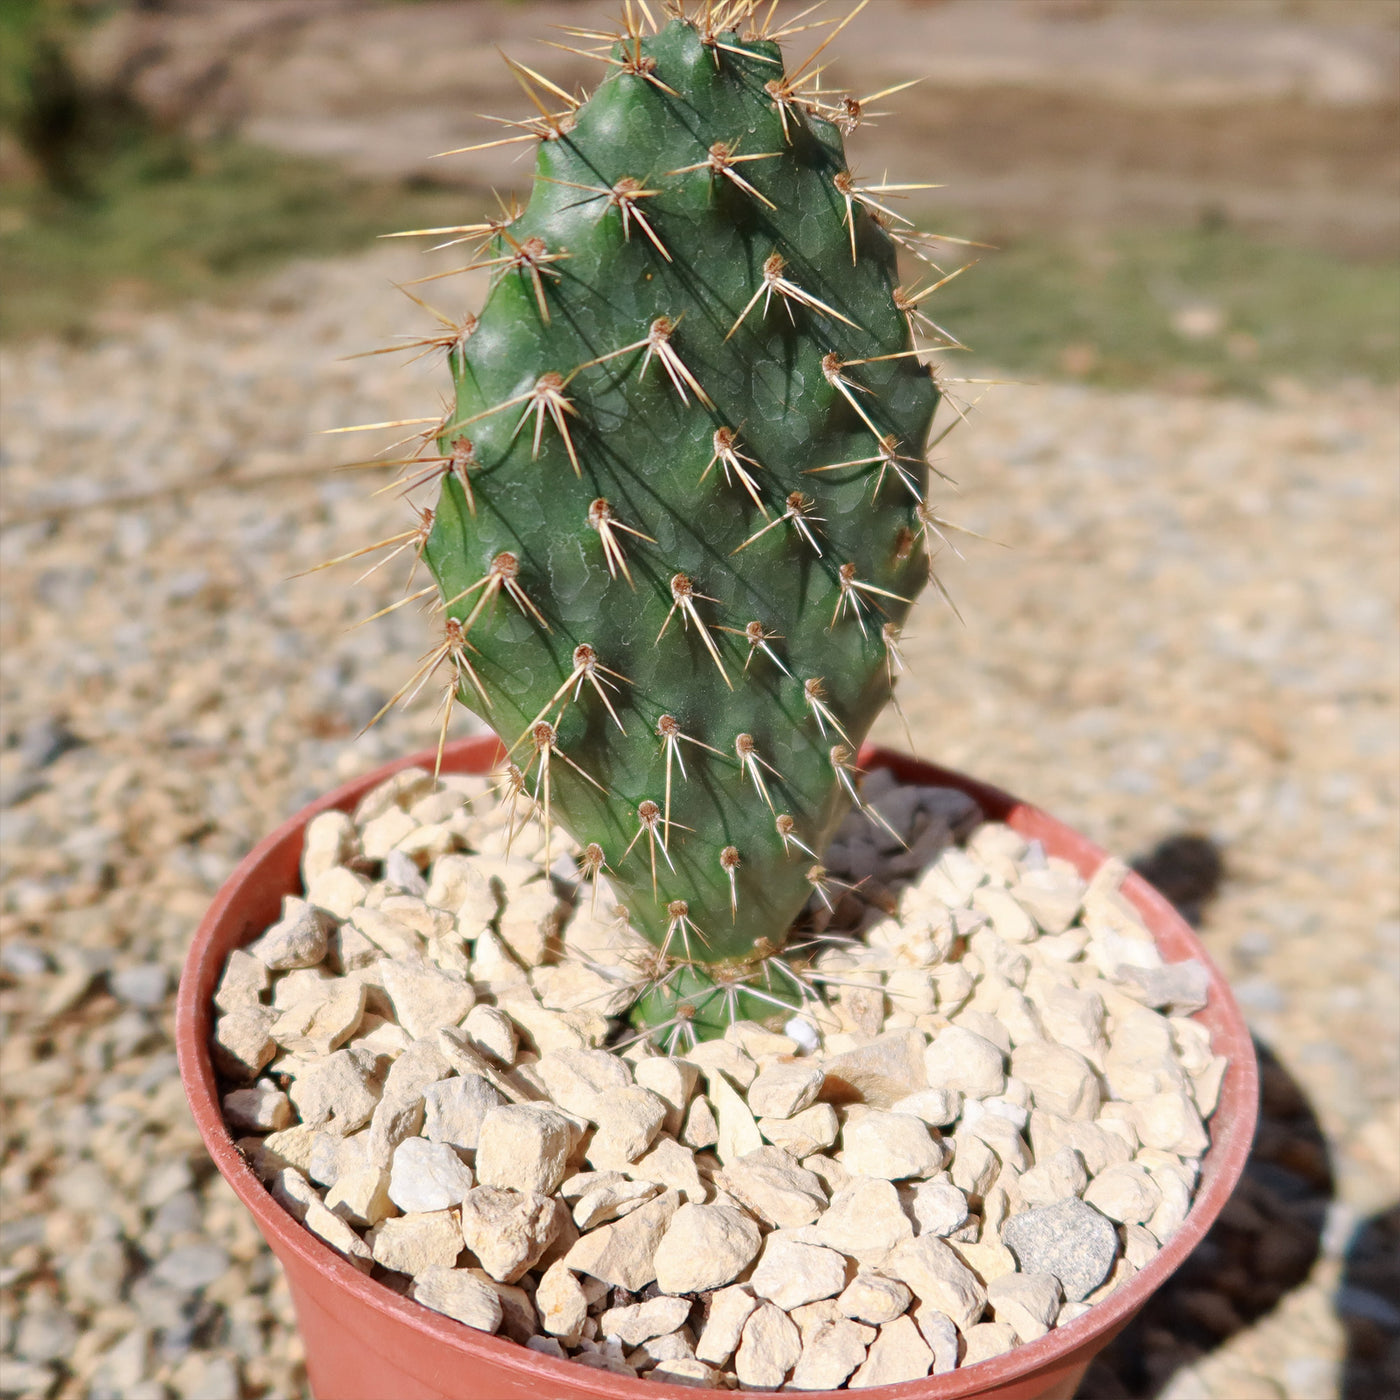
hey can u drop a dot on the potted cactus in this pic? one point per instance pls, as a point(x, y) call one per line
point(682, 510)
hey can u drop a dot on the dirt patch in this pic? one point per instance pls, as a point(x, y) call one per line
point(1278, 117)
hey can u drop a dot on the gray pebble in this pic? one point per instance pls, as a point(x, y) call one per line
point(191, 1266)
point(1070, 1240)
point(144, 985)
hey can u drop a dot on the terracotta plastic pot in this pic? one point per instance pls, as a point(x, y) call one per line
point(364, 1342)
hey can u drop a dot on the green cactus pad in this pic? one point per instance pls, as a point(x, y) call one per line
point(626, 422)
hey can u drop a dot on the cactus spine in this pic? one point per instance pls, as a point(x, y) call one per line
point(681, 505)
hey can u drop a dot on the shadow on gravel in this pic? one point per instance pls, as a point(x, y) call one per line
point(1263, 1246)
point(1369, 1304)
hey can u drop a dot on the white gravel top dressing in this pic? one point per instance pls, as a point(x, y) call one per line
point(991, 1117)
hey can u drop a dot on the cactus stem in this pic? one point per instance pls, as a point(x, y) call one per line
point(622, 196)
point(758, 640)
point(799, 511)
point(851, 589)
point(814, 692)
point(592, 864)
point(648, 819)
point(602, 519)
point(678, 912)
point(750, 762)
point(588, 668)
point(545, 738)
point(729, 862)
point(669, 730)
point(733, 460)
point(503, 574)
point(657, 341)
point(683, 596)
point(774, 281)
point(786, 826)
point(832, 365)
point(722, 159)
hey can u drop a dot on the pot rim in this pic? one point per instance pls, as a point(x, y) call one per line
point(1231, 1126)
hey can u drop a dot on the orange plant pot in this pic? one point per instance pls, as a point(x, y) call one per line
point(364, 1342)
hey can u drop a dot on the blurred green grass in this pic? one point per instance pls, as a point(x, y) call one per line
point(1208, 309)
point(166, 221)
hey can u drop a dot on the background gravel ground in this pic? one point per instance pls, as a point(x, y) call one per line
point(1186, 622)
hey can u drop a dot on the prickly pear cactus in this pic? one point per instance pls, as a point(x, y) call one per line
point(680, 517)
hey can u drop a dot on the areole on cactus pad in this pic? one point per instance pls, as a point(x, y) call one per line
point(682, 503)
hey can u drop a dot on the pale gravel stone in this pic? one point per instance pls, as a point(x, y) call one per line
point(244, 980)
point(703, 1247)
point(297, 939)
point(771, 1184)
point(422, 1063)
point(769, 1347)
point(320, 1026)
point(892, 1146)
point(864, 1221)
point(942, 1336)
point(243, 1043)
point(493, 1033)
point(329, 840)
point(338, 892)
point(427, 1176)
point(791, 1274)
point(361, 1196)
point(611, 1199)
point(726, 1057)
point(962, 1060)
point(875, 1298)
point(1124, 1193)
point(1059, 1175)
point(1051, 897)
point(1061, 1080)
point(897, 1354)
point(261, 1108)
point(524, 1147)
point(640, 1322)
point(986, 1340)
point(459, 1294)
point(293, 1192)
point(579, 1081)
point(669, 1164)
point(395, 1118)
point(562, 1303)
point(974, 1166)
point(674, 1081)
point(336, 1233)
point(938, 1207)
point(411, 1244)
point(783, 1088)
point(884, 1070)
point(1169, 1122)
point(737, 1133)
point(341, 1090)
point(623, 1252)
point(701, 1130)
point(938, 1277)
point(454, 1110)
point(686, 1371)
point(509, 1231)
point(829, 1354)
point(806, 1132)
point(936, 1107)
point(729, 1310)
point(425, 997)
point(628, 1121)
point(1028, 1302)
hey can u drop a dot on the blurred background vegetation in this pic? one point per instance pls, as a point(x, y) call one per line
point(141, 162)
